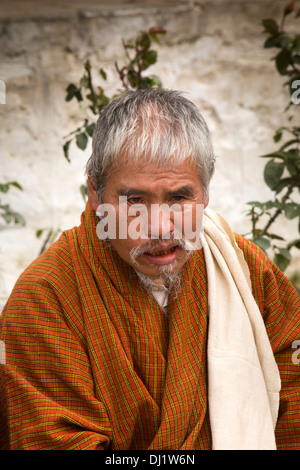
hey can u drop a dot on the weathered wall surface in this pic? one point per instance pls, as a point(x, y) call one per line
point(212, 50)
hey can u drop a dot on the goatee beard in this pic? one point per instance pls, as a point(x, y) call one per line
point(166, 280)
point(171, 283)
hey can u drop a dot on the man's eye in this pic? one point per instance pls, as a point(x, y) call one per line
point(178, 198)
point(135, 200)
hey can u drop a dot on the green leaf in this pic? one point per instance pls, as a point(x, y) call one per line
point(282, 258)
point(155, 81)
point(144, 41)
point(83, 191)
point(274, 236)
point(272, 173)
point(272, 204)
point(132, 78)
point(90, 129)
point(282, 61)
point(279, 154)
point(293, 154)
point(154, 37)
point(288, 144)
point(103, 73)
point(66, 150)
point(149, 59)
point(283, 183)
point(270, 26)
point(18, 218)
point(16, 185)
point(277, 136)
point(285, 41)
point(87, 66)
point(296, 59)
point(4, 188)
point(92, 97)
point(256, 204)
point(272, 41)
point(39, 232)
point(154, 31)
point(292, 210)
point(145, 83)
point(296, 43)
point(292, 167)
point(73, 91)
point(263, 243)
point(102, 100)
point(11, 216)
point(281, 262)
point(7, 217)
point(295, 243)
point(285, 253)
point(84, 81)
point(81, 140)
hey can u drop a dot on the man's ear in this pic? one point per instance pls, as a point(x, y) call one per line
point(92, 194)
point(206, 202)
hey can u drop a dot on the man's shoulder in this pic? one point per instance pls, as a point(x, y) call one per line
point(268, 281)
point(261, 267)
point(50, 267)
point(253, 253)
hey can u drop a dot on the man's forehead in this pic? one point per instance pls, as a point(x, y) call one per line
point(132, 177)
point(150, 163)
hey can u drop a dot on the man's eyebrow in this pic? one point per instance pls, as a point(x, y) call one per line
point(185, 191)
point(129, 192)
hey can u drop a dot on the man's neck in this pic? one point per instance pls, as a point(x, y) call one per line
point(168, 283)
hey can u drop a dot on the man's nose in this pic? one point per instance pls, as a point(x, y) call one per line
point(161, 224)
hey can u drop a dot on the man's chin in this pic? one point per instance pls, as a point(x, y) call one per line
point(168, 280)
point(156, 271)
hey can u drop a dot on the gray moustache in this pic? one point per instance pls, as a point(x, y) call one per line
point(155, 245)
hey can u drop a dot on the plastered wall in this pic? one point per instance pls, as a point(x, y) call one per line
point(212, 50)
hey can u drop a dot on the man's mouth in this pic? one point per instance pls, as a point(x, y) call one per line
point(166, 256)
point(162, 252)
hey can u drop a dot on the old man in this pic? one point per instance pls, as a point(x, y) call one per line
point(151, 325)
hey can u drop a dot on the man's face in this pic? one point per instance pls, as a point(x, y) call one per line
point(149, 187)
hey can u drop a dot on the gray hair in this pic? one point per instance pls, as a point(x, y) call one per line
point(152, 125)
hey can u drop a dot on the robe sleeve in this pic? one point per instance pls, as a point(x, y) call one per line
point(279, 304)
point(50, 401)
point(282, 319)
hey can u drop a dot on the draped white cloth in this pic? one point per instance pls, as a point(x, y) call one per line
point(243, 378)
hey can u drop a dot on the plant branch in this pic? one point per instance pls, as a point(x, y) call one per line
point(278, 211)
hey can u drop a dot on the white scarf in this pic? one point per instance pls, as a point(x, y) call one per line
point(243, 378)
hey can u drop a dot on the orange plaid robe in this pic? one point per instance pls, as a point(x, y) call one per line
point(93, 363)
